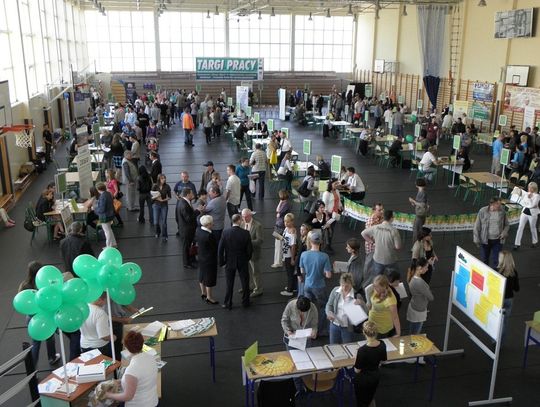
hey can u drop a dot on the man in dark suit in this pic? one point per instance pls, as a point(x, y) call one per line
point(256, 232)
point(156, 167)
point(235, 250)
point(187, 224)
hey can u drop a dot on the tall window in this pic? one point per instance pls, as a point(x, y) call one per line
point(324, 44)
point(185, 36)
point(121, 40)
point(267, 38)
point(11, 63)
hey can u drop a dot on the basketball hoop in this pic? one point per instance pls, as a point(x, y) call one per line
point(24, 134)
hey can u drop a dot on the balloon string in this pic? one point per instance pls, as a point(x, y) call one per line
point(111, 326)
point(63, 350)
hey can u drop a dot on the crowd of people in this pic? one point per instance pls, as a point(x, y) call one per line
point(204, 211)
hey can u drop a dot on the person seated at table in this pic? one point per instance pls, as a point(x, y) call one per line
point(428, 159)
point(363, 143)
point(300, 114)
point(139, 382)
point(463, 156)
point(393, 152)
point(324, 168)
point(73, 147)
point(44, 205)
point(240, 132)
point(366, 366)
point(264, 130)
point(355, 187)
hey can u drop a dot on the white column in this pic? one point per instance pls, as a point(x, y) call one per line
point(156, 41)
point(292, 36)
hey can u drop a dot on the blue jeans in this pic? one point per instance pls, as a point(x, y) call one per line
point(188, 137)
point(490, 251)
point(319, 297)
point(160, 219)
point(339, 334)
point(379, 268)
point(415, 327)
point(51, 349)
point(507, 308)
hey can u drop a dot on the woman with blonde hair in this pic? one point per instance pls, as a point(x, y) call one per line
point(341, 329)
point(420, 296)
point(289, 242)
point(383, 308)
point(507, 268)
point(112, 186)
point(366, 366)
point(529, 213)
point(282, 209)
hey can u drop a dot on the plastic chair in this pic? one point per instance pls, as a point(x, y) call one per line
point(474, 187)
point(523, 181)
point(463, 183)
point(414, 167)
point(321, 383)
point(514, 178)
point(30, 216)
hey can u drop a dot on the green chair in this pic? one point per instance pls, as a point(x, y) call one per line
point(30, 217)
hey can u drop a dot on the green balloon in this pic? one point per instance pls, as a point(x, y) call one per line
point(73, 290)
point(49, 276)
point(94, 290)
point(68, 318)
point(84, 308)
point(86, 266)
point(49, 298)
point(109, 276)
point(111, 256)
point(25, 302)
point(409, 138)
point(41, 326)
point(123, 294)
point(131, 271)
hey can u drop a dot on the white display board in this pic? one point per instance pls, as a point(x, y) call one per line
point(242, 97)
point(84, 168)
point(282, 94)
point(478, 291)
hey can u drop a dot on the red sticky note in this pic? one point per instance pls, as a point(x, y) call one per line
point(478, 280)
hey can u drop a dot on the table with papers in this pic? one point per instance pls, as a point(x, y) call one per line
point(318, 359)
point(178, 330)
point(52, 389)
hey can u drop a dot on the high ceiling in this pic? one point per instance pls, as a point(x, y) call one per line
point(245, 7)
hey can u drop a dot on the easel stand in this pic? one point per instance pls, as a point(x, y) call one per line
point(494, 355)
point(502, 180)
point(452, 186)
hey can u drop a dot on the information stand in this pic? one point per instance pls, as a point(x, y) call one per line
point(306, 149)
point(456, 143)
point(478, 291)
point(505, 160)
point(84, 168)
point(335, 165)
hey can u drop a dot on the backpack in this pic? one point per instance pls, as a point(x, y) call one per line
point(29, 224)
point(303, 189)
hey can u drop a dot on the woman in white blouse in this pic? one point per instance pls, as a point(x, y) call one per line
point(139, 382)
point(332, 203)
point(530, 211)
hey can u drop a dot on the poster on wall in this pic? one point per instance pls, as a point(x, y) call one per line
point(478, 291)
point(483, 92)
point(529, 117)
point(248, 69)
point(130, 91)
point(242, 97)
point(516, 98)
point(461, 108)
point(282, 93)
point(514, 23)
point(479, 111)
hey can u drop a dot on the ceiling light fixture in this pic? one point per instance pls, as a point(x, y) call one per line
point(482, 3)
point(208, 14)
point(216, 13)
point(349, 12)
point(310, 17)
point(273, 14)
point(328, 13)
point(404, 13)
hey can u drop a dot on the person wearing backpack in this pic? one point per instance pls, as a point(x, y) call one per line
point(305, 191)
point(144, 186)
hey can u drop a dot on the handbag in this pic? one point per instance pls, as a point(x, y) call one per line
point(273, 157)
point(527, 211)
point(117, 204)
point(252, 187)
point(421, 209)
point(193, 250)
point(119, 195)
point(303, 190)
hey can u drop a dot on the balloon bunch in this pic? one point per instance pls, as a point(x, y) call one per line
point(56, 304)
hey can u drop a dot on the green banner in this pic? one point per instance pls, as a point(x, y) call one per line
point(400, 99)
point(198, 87)
point(270, 124)
point(503, 119)
point(229, 101)
point(366, 116)
point(335, 164)
point(285, 131)
point(480, 111)
point(60, 182)
point(368, 90)
point(505, 156)
point(417, 128)
point(229, 69)
point(307, 147)
point(248, 111)
point(256, 117)
point(419, 103)
point(457, 142)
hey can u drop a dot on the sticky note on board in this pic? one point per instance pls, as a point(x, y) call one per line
point(251, 353)
point(477, 279)
point(482, 309)
point(495, 295)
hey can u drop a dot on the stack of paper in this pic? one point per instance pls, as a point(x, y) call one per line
point(152, 329)
point(71, 369)
point(352, 349)
point(341, 266)
point(178, 325)
point(299, 339)
point(91, 354)
point(90, 373)
point(336, 352)
point(50, 386)
point(355, 313)
point(301, 360)
point(319, 358)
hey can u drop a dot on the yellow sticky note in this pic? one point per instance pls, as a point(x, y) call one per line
point(251, 353)
point(494, 290)
point(482, 309)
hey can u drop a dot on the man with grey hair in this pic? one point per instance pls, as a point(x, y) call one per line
point(73, 245)
point(235, 250)
point(129, 179)
point(255, 230)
